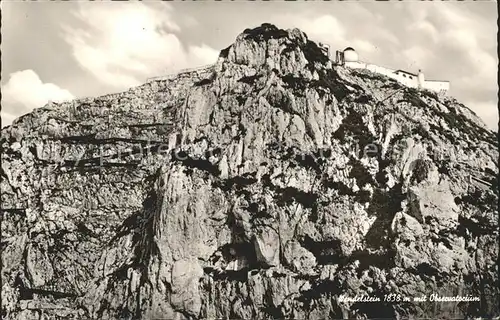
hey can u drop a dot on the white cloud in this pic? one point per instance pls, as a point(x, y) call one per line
point(416, 56)
point(343, 30)
point(415, 12)
point(321, 28)
point(203, 54)
point(123, 45)
point(424, 30)
point(461, 35)
point(325, 28)
point(453, 43)
point(487, 111)
point(461, 38)
point(7, 118)
point(25, 91)
point(363, 46)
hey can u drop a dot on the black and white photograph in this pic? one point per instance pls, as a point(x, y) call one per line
point(203, 160)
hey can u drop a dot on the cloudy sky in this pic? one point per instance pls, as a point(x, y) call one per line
point(64, 50)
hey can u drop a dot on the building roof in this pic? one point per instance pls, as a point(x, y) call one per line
point(349, 49)
point(402, 71)
point(444, 81)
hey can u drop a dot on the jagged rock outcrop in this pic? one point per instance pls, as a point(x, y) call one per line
point(265, 186)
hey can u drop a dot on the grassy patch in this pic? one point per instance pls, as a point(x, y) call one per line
point(250, 79)
point(360, 173)
point(420, 170)
point(330, 79)
point(224, 52)
point(485, 200)
point(411, 96)
point(313, 53)
point(384, 205)
point(265, 32)
point(297, 84)
point(364, 99)
point(420, 130)
point(280, 100)
point(353, 127)
point(203, 82)
point(430, 94)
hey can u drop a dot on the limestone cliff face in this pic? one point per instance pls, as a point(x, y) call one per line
point(265, 186)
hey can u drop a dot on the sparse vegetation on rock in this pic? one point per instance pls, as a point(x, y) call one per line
point(244, 191)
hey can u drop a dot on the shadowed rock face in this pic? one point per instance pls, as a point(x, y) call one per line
point(262, 187)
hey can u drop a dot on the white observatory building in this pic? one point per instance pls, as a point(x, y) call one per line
point(350, 55)
point(349, 58)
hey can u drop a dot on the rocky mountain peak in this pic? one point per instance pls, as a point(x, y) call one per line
point(269, 185)
point(285, 51)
